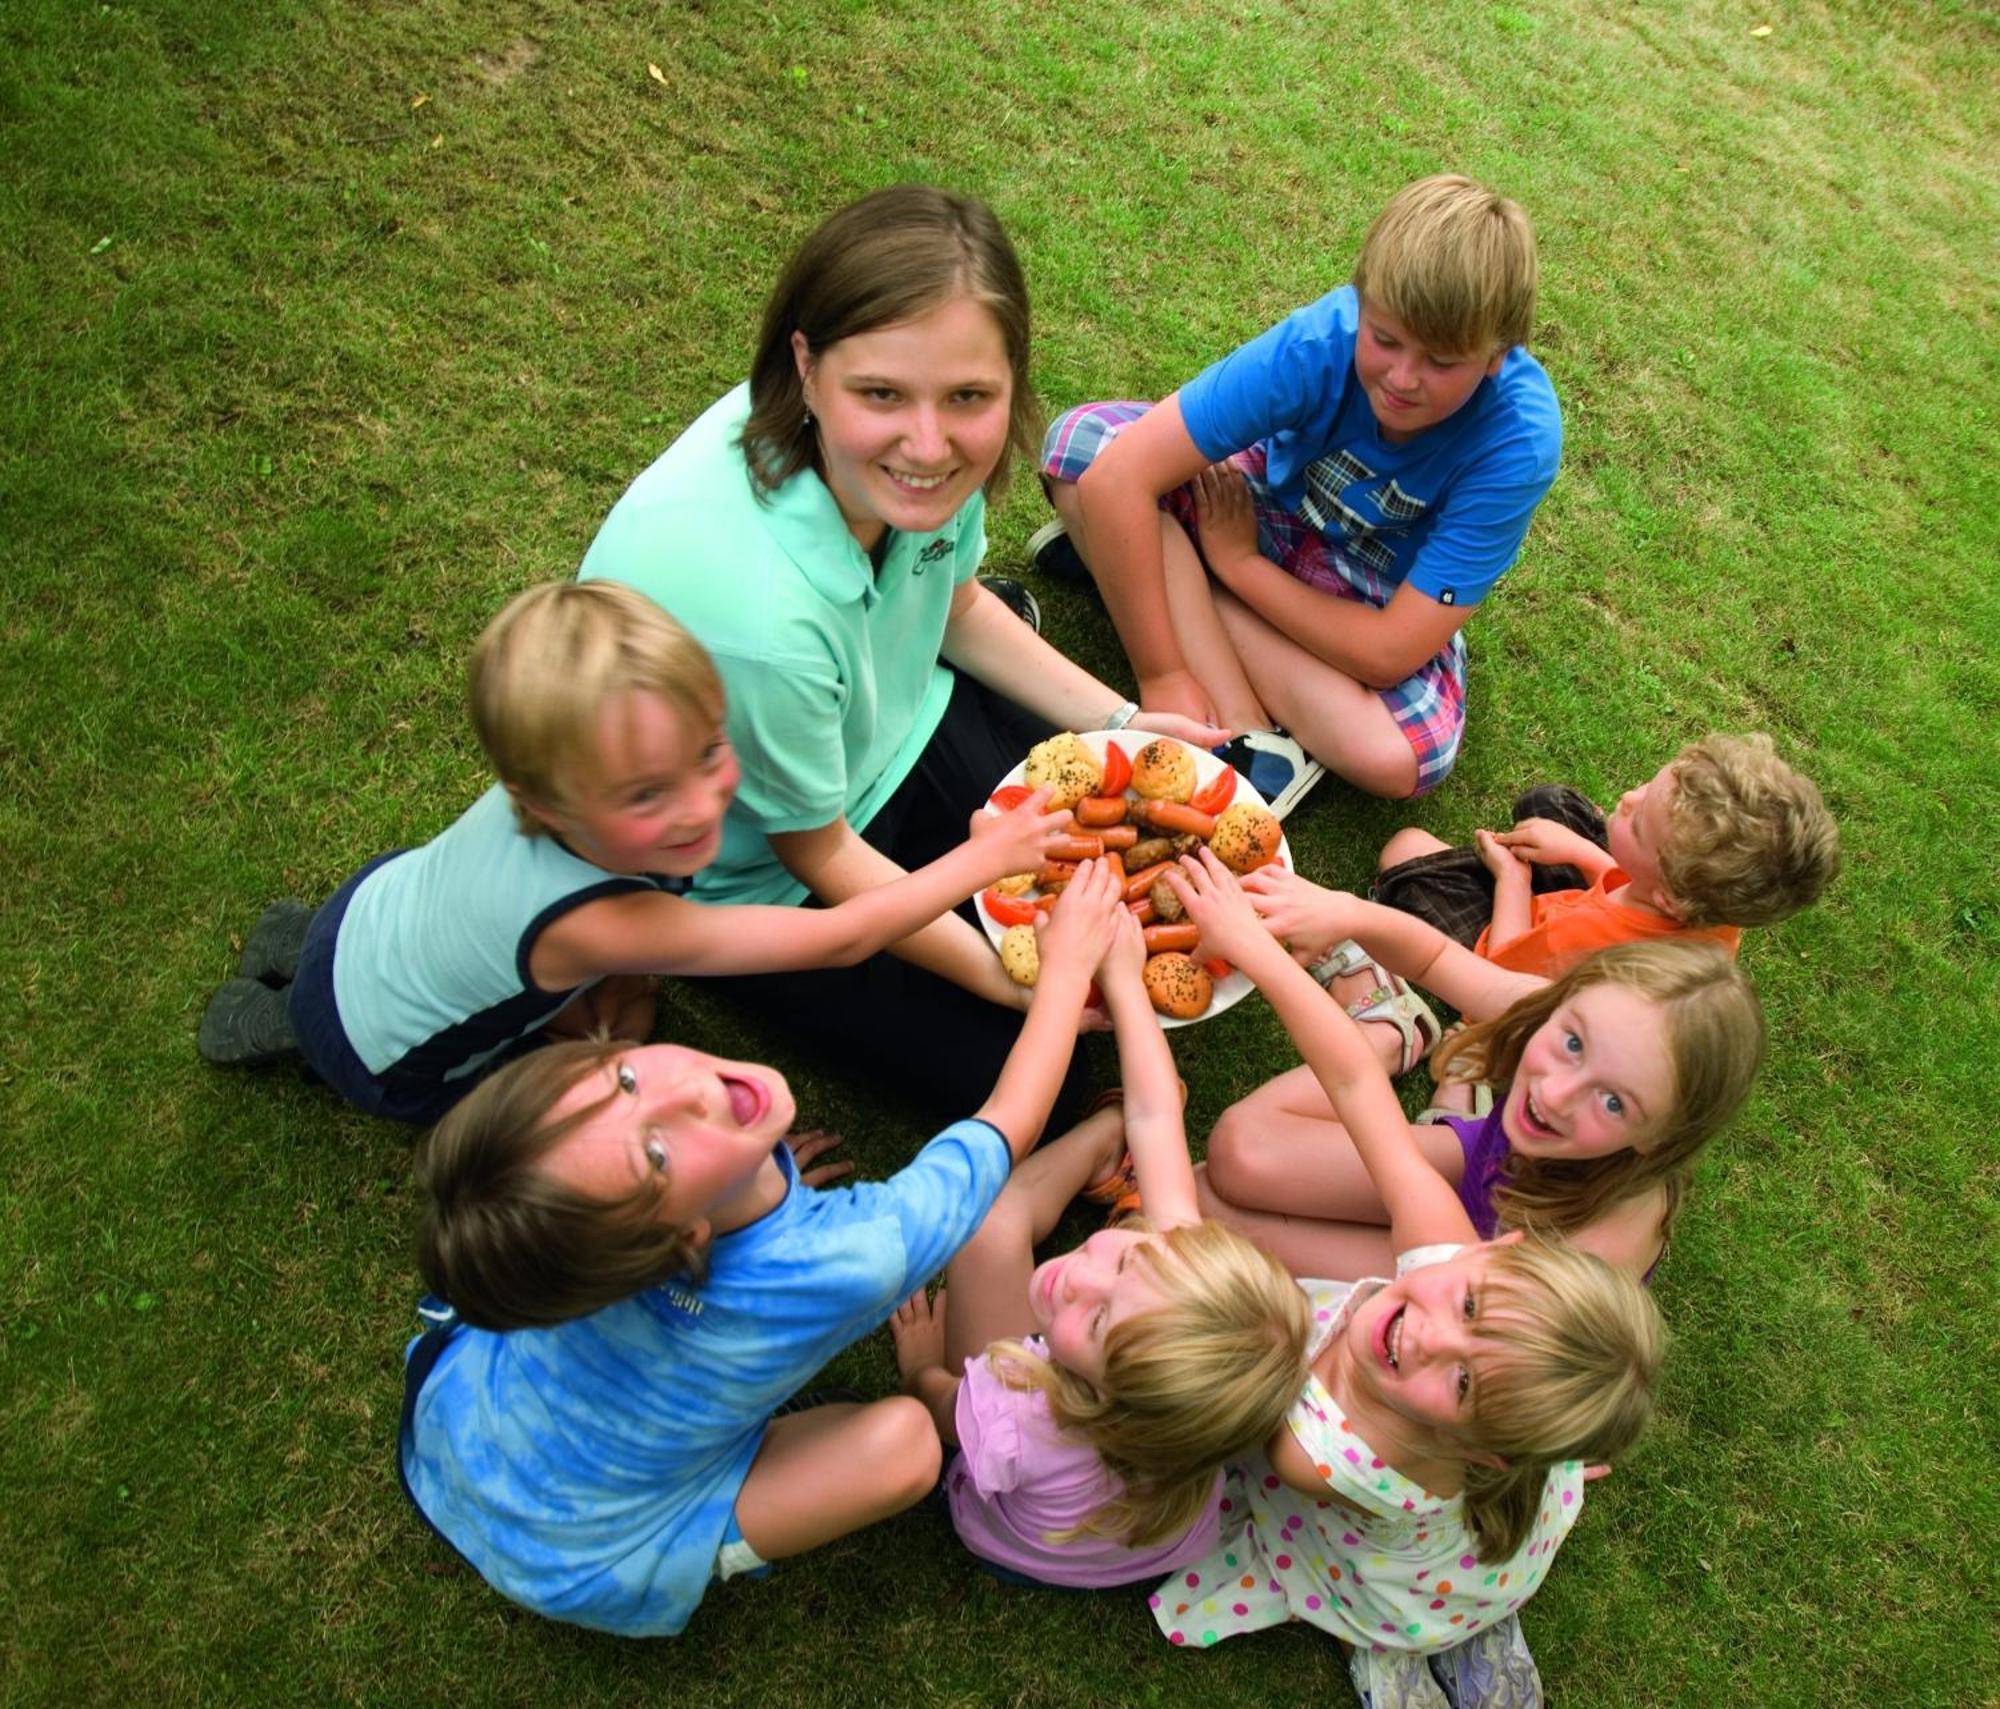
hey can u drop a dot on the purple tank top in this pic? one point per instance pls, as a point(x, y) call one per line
point(1485, 1146)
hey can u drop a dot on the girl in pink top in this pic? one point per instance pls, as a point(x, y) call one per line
point(1096, 1398)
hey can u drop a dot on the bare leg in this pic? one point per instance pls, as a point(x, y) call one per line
point(1407, 844)
point(823, 1473)
point(1340, 722)
point(986, 1283)
point(1281, 1149)
point(1191, 603)
point(1337, 1251)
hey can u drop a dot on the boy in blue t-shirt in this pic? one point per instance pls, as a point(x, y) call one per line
point(1336, 495)
point(640, 1279)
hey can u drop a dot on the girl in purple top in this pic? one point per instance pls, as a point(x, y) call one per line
point(1101, 1393)
point(1606, 1084)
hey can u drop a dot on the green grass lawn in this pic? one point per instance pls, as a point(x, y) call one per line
point(327, 327)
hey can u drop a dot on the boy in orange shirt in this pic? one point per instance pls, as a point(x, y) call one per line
point(1724, 835)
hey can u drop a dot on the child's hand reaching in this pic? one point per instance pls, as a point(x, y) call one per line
point(1307, 919)
point(1019, 840)
point(1081, 925)
point(1216, 903)
point(1123, 968)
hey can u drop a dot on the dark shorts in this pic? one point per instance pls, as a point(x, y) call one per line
point(903, 1027)
point(1451, 888)
point(419, 1098)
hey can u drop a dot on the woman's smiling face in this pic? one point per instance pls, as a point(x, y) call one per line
point(1594, 1079)
point(913, 417)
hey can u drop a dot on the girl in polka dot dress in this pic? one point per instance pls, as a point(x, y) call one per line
point(1435, 1460)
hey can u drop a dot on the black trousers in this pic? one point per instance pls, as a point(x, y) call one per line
point(1451, 888)
point(890, 1021)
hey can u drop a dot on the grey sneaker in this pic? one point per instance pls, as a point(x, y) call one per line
point(1016, 598)
point(1278, 768)
point(271, 951)
point(246, 1026)
point(1054, 554)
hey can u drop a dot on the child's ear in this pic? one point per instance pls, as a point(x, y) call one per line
point(1513, 1237)
point(1493, 367)
point(541, 811)
point(1492, 1462)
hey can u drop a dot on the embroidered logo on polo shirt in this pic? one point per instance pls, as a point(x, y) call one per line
point(932, 553)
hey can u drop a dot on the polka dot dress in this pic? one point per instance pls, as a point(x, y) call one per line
point(1404, 1578)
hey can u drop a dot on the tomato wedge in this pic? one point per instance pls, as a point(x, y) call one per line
point(1117, 770)
point(1215, 795)
point(1009, 796)
point(1006, 910)
point(1218, 968)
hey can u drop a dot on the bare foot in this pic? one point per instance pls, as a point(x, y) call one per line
point(917, 1328)
point(812, 1142)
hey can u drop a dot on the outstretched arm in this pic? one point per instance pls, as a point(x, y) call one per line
point(1078, 933)
point(1423, 1207)
point(1310, 921)
point(647, 932)
point(1155, 1133)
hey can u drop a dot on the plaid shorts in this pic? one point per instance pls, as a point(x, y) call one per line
point(1428, 705)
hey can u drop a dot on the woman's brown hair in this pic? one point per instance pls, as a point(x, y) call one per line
point(890, 257)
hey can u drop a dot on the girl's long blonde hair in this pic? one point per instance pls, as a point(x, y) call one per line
point(1576, 1346)
point(1204, 1376)
point(1712, 1029)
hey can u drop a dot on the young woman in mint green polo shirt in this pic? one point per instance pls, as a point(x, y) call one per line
point(819, 529)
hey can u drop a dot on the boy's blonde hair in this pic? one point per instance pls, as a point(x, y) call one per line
point(1208, 1374)
point(1455, 263)
point(1712, 1032)
point(894, 255)
point(1749, 840)
point(1575, 1354)
point(511, 1248)
point(547, 664)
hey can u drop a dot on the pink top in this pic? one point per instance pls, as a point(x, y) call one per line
point(1017, 1477)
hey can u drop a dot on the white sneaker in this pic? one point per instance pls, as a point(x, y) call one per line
point(1278, 768)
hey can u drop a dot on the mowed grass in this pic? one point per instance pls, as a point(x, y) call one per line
point(327, 328)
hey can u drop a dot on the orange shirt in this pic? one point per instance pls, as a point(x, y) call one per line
point(1567, 925)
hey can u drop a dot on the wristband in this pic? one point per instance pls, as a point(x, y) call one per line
point(1121, 716)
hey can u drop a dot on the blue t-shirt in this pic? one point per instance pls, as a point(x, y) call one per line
point(1446, 511)
point(590, 1470)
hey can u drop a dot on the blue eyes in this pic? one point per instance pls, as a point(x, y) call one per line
point(628, 1081)
point(1572, 1044)
point(656, 1155)
point(1614, 1104)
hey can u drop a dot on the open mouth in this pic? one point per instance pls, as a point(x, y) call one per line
point(1389, 1339)
point(748, 1099)
point(1536, 1121)
point(913, 482)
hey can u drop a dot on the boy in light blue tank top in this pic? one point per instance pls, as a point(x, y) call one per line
point(550, 905)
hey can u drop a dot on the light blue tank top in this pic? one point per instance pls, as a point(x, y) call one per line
point(430, 971)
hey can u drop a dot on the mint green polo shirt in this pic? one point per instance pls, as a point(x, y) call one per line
point(831, 666)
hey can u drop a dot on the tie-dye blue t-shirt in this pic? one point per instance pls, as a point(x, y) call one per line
point(589, 1471)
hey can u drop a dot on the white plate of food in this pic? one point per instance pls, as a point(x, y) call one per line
point(1171, 797)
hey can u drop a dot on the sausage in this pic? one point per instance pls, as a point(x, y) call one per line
point(1055, 874)
point(1141, 882)
point(1094, 812)
point(1075, 848)
point(1174, 816)
point(1142, 910)
point(1150, 851)
point(1162, 938)
point(1116, 838)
